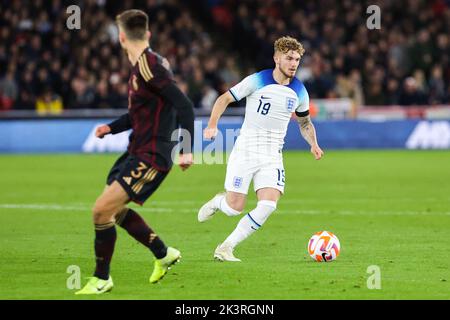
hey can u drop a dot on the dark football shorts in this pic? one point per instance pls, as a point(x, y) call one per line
point(136, 176)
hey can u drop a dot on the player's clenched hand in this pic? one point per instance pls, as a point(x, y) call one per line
point(102, 130)
point(210, 133)
point(317, 152)
point(186, 160)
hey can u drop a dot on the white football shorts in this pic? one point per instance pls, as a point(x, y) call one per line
point(264, 171)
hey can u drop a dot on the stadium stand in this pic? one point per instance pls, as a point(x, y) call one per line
point(406, 62)
point(46, 67)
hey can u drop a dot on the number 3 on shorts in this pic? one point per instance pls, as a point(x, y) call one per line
point(280, 181)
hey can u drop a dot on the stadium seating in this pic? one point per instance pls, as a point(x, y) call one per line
point(211, 45)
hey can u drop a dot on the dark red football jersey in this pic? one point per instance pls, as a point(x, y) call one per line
point(153, 119)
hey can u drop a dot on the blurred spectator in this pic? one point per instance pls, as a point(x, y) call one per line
point(82, 95)
point(121, 95)
point(209, 97)
point(411, 95)
point(102, 98)
point(230, 73)
point(195, 84)
point(322, 81)
point(8, 90)
point(393, 92)
point(437, 86)
point(350, 87)
point(375, 95)
point(419, 76)
point(49, 103)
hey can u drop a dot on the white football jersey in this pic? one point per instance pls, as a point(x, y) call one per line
point(269, 107)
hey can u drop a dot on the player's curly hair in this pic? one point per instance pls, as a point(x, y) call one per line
point(286, 43)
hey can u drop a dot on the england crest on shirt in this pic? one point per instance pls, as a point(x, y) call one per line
point(290, 104)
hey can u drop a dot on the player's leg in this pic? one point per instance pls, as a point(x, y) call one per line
point(232, 202)
point(107, 204)
point(140, 180)
point(133, 175)
point(229, 202)
point(269, 185)
point(105, 207)
point(252, 221)
point(136, 227)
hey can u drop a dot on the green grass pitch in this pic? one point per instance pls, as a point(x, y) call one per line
point(388, 208)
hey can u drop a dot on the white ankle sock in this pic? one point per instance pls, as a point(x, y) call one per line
point(222, 204)
point(251, 222)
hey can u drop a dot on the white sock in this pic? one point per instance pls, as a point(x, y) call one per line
point(222, 204)
point(251, 222)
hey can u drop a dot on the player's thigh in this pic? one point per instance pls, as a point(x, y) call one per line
point(269, 181)
point(239, 175)
point(121, 211)
point(111, 201)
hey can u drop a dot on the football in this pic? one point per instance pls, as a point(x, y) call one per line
point(324, 246)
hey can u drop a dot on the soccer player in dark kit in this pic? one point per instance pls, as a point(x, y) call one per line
point(156, 108)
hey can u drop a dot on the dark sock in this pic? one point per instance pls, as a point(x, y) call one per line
point(131, 221)
point(105, 238)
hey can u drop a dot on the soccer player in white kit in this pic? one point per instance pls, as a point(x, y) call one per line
point(271, 97)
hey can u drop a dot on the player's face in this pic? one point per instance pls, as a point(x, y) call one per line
point(288, 63)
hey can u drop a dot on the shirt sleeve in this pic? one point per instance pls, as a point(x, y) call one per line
point(302, 109)
point(155, 75)
point(244, 88)
point(121, 124)
point(184, 108)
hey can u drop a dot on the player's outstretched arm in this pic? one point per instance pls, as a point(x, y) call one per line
point(185, 118)
point(117, 126)
point(219, 107)
point(309, 134)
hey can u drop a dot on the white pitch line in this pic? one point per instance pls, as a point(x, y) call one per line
point(302, 201)
point(57, 207)
point(42, 207)
point(359, 212)
point(85, 208)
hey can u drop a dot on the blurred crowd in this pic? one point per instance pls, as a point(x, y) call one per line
point(47, 67)
point(405, 62)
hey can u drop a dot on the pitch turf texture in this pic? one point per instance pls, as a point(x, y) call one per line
point(389, 209)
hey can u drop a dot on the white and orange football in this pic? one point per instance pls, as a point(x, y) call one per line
point(324, 246)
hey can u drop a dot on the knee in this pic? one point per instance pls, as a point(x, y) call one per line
point(236, 203)
point(100, 212)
